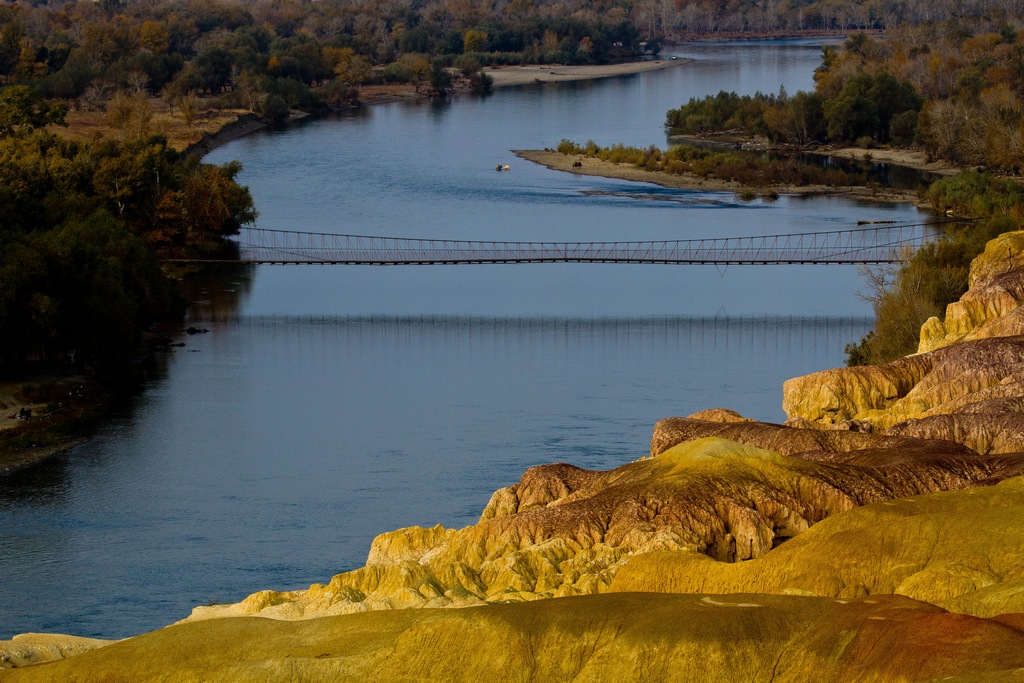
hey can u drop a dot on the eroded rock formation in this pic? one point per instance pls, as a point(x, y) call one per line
point(35, 648)
point(969, 371)
point(787, 440)
point(991, 306)
point(964, 378)
point(564, 531)
point(960, 550)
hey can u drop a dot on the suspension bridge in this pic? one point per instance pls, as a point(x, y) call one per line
point(873, 244)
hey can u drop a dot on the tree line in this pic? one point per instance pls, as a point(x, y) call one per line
point(268, 53)
point(265, 54)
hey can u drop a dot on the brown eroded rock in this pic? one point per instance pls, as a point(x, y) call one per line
point(991, 305)
point(984, 432)
point(948, 380)
point(956, 549)
point(564, 531)
point(787, 440)
point(540, 486)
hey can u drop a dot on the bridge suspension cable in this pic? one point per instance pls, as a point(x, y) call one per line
point(863, 245)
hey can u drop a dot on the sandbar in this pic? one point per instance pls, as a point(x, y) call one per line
point(607, 169)
point(554, 73)
point(912, 158)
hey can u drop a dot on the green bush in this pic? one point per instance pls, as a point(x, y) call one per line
point(977, 195)
point(481, 83)
point(398, 73)
point(466, 64)
point(274, 109)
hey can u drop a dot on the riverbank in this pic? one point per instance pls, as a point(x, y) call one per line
point(584, 165)
point(915, 159)
point(212, 126)
point(45, 415)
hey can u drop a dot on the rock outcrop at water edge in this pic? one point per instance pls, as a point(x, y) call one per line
point(964, 380)
point(565, 531)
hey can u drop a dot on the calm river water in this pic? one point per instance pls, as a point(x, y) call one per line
point(329, 404)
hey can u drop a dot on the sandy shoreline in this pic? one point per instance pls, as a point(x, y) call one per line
point(596, 167)
point(916, 159)
point(505, 76)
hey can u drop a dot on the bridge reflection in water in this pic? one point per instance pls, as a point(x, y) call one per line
point(732, 334)
point(863, 245)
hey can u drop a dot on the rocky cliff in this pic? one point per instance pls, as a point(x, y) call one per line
point(991, 306)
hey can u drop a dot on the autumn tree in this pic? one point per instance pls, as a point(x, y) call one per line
point(23, 109)
point(213, 205)
point(188, 107)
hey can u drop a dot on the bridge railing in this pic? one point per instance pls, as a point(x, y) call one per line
point(874, 244)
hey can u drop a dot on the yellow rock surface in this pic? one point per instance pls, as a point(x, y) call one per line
point(614, 637)
point(991, 306)
point(970, 378)
point(34, 648)
point(957, 549)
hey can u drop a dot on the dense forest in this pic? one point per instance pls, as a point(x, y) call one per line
point(81, 227)
point(268, 54)
point(265, 56)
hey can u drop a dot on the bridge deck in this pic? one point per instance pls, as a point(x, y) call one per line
point(865, 245)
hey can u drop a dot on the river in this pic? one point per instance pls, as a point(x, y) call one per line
point(327, 404)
